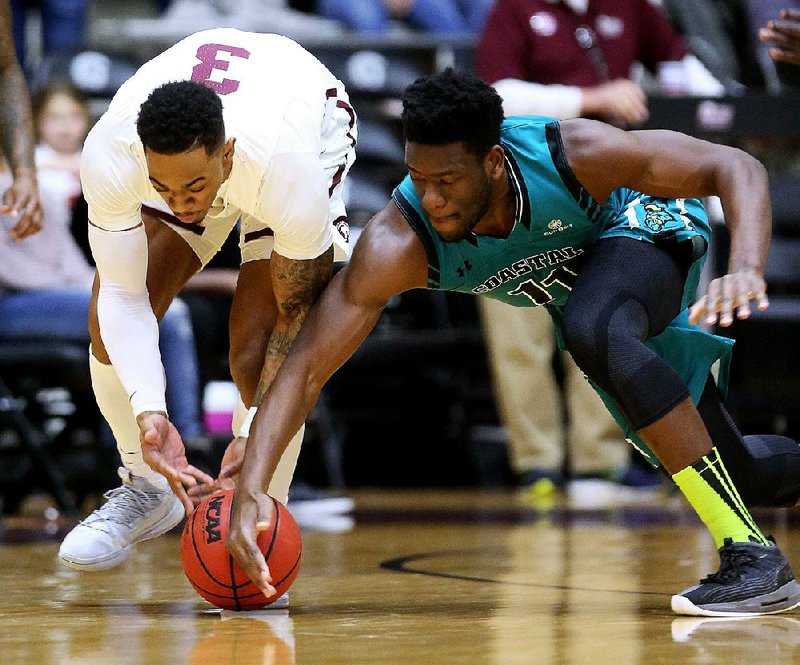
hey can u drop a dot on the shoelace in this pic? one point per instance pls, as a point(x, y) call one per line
point(732, 563)
point(123, 505)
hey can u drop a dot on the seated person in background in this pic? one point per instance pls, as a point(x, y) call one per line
point(440, 16)
point(573, 58)
point(45, 280)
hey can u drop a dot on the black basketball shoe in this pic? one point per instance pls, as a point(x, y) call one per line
point(753, 579)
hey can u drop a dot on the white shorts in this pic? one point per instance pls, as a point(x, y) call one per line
point(338, 137)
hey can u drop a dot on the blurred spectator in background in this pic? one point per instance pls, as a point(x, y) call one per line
point(63, 26)
point(20, 208)
point(714, 31)
point(565, 59)
point(438, 16)
point(45, 280)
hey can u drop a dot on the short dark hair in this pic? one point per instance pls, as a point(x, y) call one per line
point(179, 116)
point(453, 106)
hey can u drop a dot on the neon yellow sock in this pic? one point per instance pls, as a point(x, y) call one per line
point(709, 489)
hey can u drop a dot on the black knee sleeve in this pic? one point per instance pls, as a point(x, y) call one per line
point(607, 345)
point(626, 292)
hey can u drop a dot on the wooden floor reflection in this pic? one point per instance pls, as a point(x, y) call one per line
point(420, 578)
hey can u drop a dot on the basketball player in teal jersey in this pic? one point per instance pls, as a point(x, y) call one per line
point(603, 228)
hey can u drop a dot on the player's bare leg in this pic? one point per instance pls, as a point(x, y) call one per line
point(144, 506)
point(253, 316)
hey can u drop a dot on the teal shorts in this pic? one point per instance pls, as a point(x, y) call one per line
point(690, 351)
point(664, 222)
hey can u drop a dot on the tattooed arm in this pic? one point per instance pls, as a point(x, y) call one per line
point(16, 124)
point(297, 286)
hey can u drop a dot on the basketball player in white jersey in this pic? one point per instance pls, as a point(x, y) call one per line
point(225, 126)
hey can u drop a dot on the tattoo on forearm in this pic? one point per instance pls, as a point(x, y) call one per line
point(297, 285)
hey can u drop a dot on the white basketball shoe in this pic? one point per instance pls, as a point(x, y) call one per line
point(133, 512)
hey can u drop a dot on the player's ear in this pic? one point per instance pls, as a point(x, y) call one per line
point(494, 162)
point(227, 150)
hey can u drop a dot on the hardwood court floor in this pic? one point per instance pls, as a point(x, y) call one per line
point(422, 577)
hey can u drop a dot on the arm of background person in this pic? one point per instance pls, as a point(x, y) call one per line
point(18, 138)
point(783, 36)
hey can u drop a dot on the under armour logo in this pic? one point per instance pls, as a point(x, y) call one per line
point(463, 271)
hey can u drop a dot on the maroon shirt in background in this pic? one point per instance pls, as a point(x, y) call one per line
point(534, 40)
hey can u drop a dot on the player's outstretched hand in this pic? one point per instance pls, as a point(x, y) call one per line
point(252, 512)
point(228, 474)
point(730, 292)
point(783, 36)
point(162, 449)
point(21, 203)
point(232, 463)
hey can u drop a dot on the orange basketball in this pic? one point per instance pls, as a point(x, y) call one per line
point(213, 572)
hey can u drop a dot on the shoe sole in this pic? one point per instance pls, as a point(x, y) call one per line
point(111, 561)
point(165, 524)
point(784, 599)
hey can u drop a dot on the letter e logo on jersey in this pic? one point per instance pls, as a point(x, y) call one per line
point(213, 513)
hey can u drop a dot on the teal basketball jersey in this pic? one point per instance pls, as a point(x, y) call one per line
point(556, 220)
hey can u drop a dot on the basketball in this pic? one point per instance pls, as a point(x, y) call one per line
point(213, 572)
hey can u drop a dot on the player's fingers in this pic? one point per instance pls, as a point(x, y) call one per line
point(180, 492)
point(228, 483)
point(230, 470)
point(728, 301)
point(713, 301)
point(200, 492)
point(259, 572)
point(158, 463)
point(697, 310)
point(251, 561)
point(266, 588)
point(198, 475)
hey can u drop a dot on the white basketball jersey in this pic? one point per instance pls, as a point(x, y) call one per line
point(274, 96)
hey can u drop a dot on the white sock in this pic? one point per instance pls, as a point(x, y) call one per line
point(240, 412)
point(112, 400)
point(282, 478)
point(279, 487)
